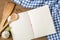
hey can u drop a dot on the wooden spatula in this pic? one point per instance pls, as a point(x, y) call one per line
point(7, 11)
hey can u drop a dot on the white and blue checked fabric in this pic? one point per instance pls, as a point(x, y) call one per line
point(54, 6)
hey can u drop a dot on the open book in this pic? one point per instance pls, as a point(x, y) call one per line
point(33, 24)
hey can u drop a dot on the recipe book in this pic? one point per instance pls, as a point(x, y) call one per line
point(33, 24)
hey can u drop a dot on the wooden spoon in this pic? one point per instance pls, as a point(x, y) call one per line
point(6, 12)
point(13, 17)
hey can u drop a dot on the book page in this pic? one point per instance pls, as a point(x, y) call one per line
point(42, 22)
point(21, 28)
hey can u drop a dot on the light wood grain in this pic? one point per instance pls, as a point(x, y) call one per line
point(7, 11)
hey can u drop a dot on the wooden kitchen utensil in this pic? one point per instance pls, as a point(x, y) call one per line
point(13, 17)
point(7, 11)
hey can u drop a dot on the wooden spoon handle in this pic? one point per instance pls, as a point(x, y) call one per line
point(2, 29)
point(6, 24)
point(7, 11)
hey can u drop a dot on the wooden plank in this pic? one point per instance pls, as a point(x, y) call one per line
point(6, 12)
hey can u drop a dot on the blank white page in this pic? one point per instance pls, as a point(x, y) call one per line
point(21, 28)
point(41, 21)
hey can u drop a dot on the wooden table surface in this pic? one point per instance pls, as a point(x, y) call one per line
point(17, 9)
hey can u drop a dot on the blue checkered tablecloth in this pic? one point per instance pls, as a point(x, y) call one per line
point(54, 6)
